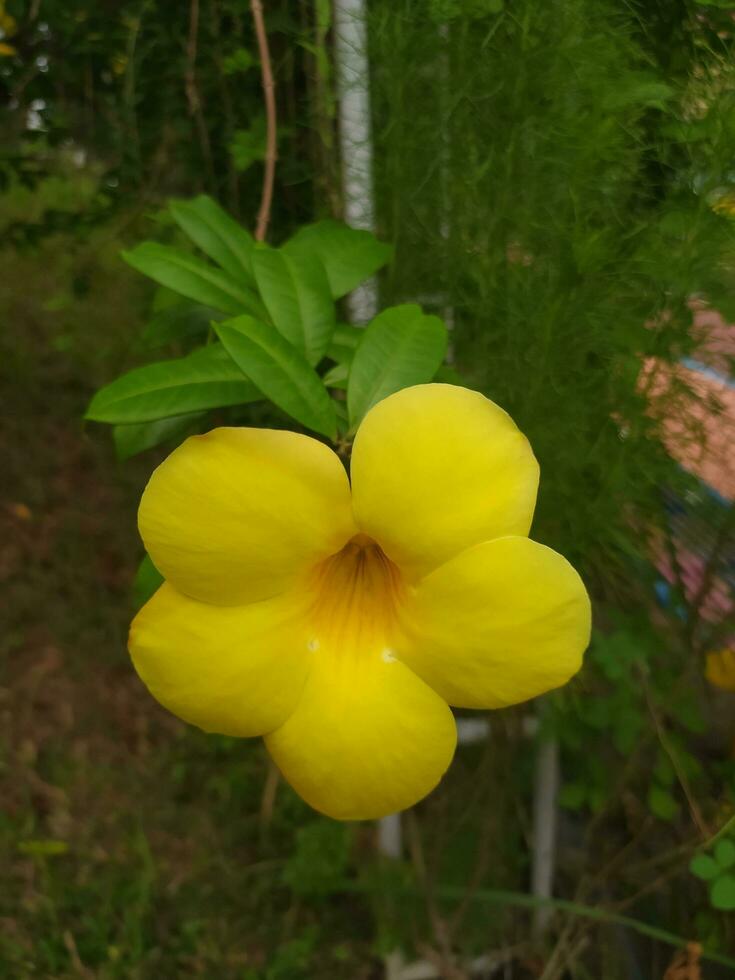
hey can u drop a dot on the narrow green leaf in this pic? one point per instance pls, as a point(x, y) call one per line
point(208, 378)
point(138, 436)
point(705, 867)
point(349, 255)
point(147, 581)
point(216, 233)
point(402, 346)
point(296, 294)
point(280, 371)
point(722, 893)
point(189, 276)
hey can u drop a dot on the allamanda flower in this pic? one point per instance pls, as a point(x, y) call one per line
point(340, 625)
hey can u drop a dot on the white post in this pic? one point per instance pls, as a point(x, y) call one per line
point(355, 137)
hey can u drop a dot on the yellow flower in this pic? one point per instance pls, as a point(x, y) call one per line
point(720, 668)
point(341, 626)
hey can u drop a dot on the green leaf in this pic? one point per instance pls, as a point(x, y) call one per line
point(240, 60)
point(204, 379)
point(345, 340)
point(340, 410)
point(705, 867)
point(280, 371)
point(402, 346)
point(139, 436)
point(296, 294)
point(349, 255)
point(722, 893)
point(661, 803)
point(725, 853)
point(336, 377)
point(189, 276)
point(147, 581)
point(216, 233)
point(183, 320)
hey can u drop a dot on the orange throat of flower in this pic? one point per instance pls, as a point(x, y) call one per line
point(358, 596)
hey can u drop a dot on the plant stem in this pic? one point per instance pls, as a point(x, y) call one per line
point(269, 94)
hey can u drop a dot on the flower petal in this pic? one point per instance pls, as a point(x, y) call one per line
point(368, 737)
point(236, 670)
point(720, 668)
point(437, 468)
point(237, 515)
point(500, 623)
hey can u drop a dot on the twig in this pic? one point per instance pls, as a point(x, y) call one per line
point(269, 94)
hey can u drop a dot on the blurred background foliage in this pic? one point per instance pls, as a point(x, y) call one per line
point(558, 180)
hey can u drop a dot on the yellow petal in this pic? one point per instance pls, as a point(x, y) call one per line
point(238, 515)
point(720, 669)
point(236, 670)
point(437, 468)
point(502, 622)
point(368, 737)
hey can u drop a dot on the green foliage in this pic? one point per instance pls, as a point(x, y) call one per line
point(206, 378)
point(319, 863)
point(527, 175)
point(248, 145)
point(162, 100)
point(402, 346)
point(661, 803)
point(277, 352)
point(295, 292)
point(717, 870)
point(280, 372)
point(189, 276)
point(348, 255)
point(217, 234)
point(136, 437)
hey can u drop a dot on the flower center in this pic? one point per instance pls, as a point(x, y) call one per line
point(357, 595)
